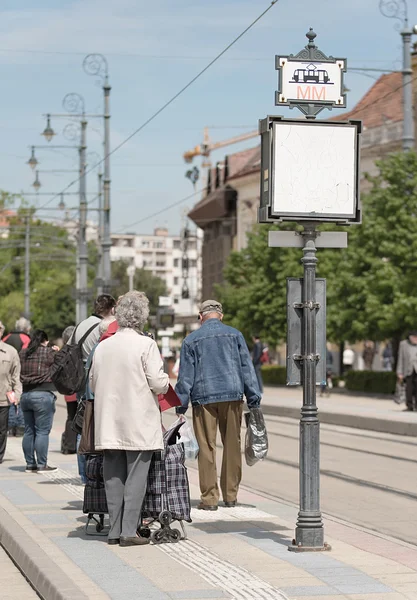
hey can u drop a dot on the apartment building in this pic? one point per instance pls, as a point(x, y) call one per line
point(176, 261)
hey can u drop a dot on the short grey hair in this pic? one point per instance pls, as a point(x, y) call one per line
point(67, 333)
point(23, 324)
point(104, 324)
point(132, 310)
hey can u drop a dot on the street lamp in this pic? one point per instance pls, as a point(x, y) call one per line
point(398, 9)
point(61, 204)
point(32, 162)
point(48, 133)
point(37, 184)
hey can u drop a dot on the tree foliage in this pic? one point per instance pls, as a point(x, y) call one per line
point(371, 285)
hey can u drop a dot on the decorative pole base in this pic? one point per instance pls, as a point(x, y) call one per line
point(299, 548)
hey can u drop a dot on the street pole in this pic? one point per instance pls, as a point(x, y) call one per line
point(27, 267)
point(82, 240)
point(100, 233)
point(408, 124)
point(398, 9)
point(77, 282)
point(106, 244)
point(309, 532)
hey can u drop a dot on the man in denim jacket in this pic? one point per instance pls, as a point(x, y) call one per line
point(215, 372)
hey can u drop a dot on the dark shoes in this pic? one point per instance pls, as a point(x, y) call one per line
point(31, 469)
point(133, 541)
point(203, 506)
point(47, 468)
point(113, 541)
point(231, 504)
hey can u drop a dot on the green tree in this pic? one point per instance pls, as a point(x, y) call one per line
point(52, 274)
point(143, 280)
point(376, 286)
point(371, 285)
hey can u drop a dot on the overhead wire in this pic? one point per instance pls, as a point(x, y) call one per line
point(173, 98)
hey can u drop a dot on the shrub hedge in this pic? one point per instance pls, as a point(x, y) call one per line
point(274, 375)
point(376, 382)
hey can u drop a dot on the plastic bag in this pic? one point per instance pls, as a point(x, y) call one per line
point(399, 397)
point(256, 439)
point(187, 437)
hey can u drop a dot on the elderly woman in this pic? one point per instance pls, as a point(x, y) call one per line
point(126, 377)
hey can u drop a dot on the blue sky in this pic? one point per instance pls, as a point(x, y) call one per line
point(153, 49)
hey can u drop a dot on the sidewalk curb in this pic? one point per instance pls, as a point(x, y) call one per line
point(46, 577)
point(346, 420)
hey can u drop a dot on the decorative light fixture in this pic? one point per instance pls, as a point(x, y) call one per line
point(48, 132)
point(61, 204)
point(33, 161)
point(37, 184)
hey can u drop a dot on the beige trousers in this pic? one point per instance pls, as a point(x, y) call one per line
point(227, 416)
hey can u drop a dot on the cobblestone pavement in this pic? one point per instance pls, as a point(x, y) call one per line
point(236, 553)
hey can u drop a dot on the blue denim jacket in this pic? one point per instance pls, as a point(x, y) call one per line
point(215, 366)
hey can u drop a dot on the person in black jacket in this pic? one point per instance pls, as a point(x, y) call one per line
point(19, 338)
point(257, 351)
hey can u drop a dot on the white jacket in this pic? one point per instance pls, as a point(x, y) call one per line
point(126, 376)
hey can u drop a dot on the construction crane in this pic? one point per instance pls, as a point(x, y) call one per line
point(208, 146)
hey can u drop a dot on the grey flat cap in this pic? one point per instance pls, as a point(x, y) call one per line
point(211, 306)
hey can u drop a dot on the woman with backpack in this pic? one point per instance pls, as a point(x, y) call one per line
point(37, 401)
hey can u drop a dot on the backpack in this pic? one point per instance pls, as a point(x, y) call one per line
point(68, 371)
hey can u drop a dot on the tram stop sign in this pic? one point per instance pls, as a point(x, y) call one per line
point(310, 77)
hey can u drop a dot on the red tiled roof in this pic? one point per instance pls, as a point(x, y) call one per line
point(5, 216)
point(252, 164)
point(383, 102)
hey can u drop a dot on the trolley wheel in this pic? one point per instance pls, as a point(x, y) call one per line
point(157, 536)
point(174, 536)
point(165, 518)
point(144, 532)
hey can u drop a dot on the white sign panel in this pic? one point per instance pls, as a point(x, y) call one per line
point(314, 169)
point(314, 82)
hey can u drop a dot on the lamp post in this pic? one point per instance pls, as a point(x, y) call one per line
point(398, 9)
point(74, 104)
point(96, 64)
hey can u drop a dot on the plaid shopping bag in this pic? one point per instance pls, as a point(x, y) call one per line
point(95, 500)
point(94, 467)
point(168, 487)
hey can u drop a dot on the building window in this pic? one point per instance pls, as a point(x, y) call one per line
point(177, 244)
point(145, 244)
point(158, 245)
point(193, 263)
point(192, 245)
point(160, 263)
point(147, 263)
point(176, 262)
point(176, 280)
point(176, 300)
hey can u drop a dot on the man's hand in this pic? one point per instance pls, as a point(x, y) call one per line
point(400, 378)
point(181, 410)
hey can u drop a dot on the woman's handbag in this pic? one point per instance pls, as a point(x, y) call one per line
point(87, 442)
point(256, 439)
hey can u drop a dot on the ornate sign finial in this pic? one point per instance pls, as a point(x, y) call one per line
point(311, 36)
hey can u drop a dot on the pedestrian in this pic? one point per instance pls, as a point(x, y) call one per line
point(407, 369)
point(126, 376)
point(257, 353)
point(348, 359)
point(38, 400)
point(215, 372)
point(69, 437)
point(10, 387)
point(19, 338)
point(368, 355)
point(103, 307)
point(387, 357)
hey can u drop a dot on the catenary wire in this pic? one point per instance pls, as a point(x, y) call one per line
point(173, 98)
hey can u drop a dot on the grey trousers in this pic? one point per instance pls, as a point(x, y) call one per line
point(125, 478)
